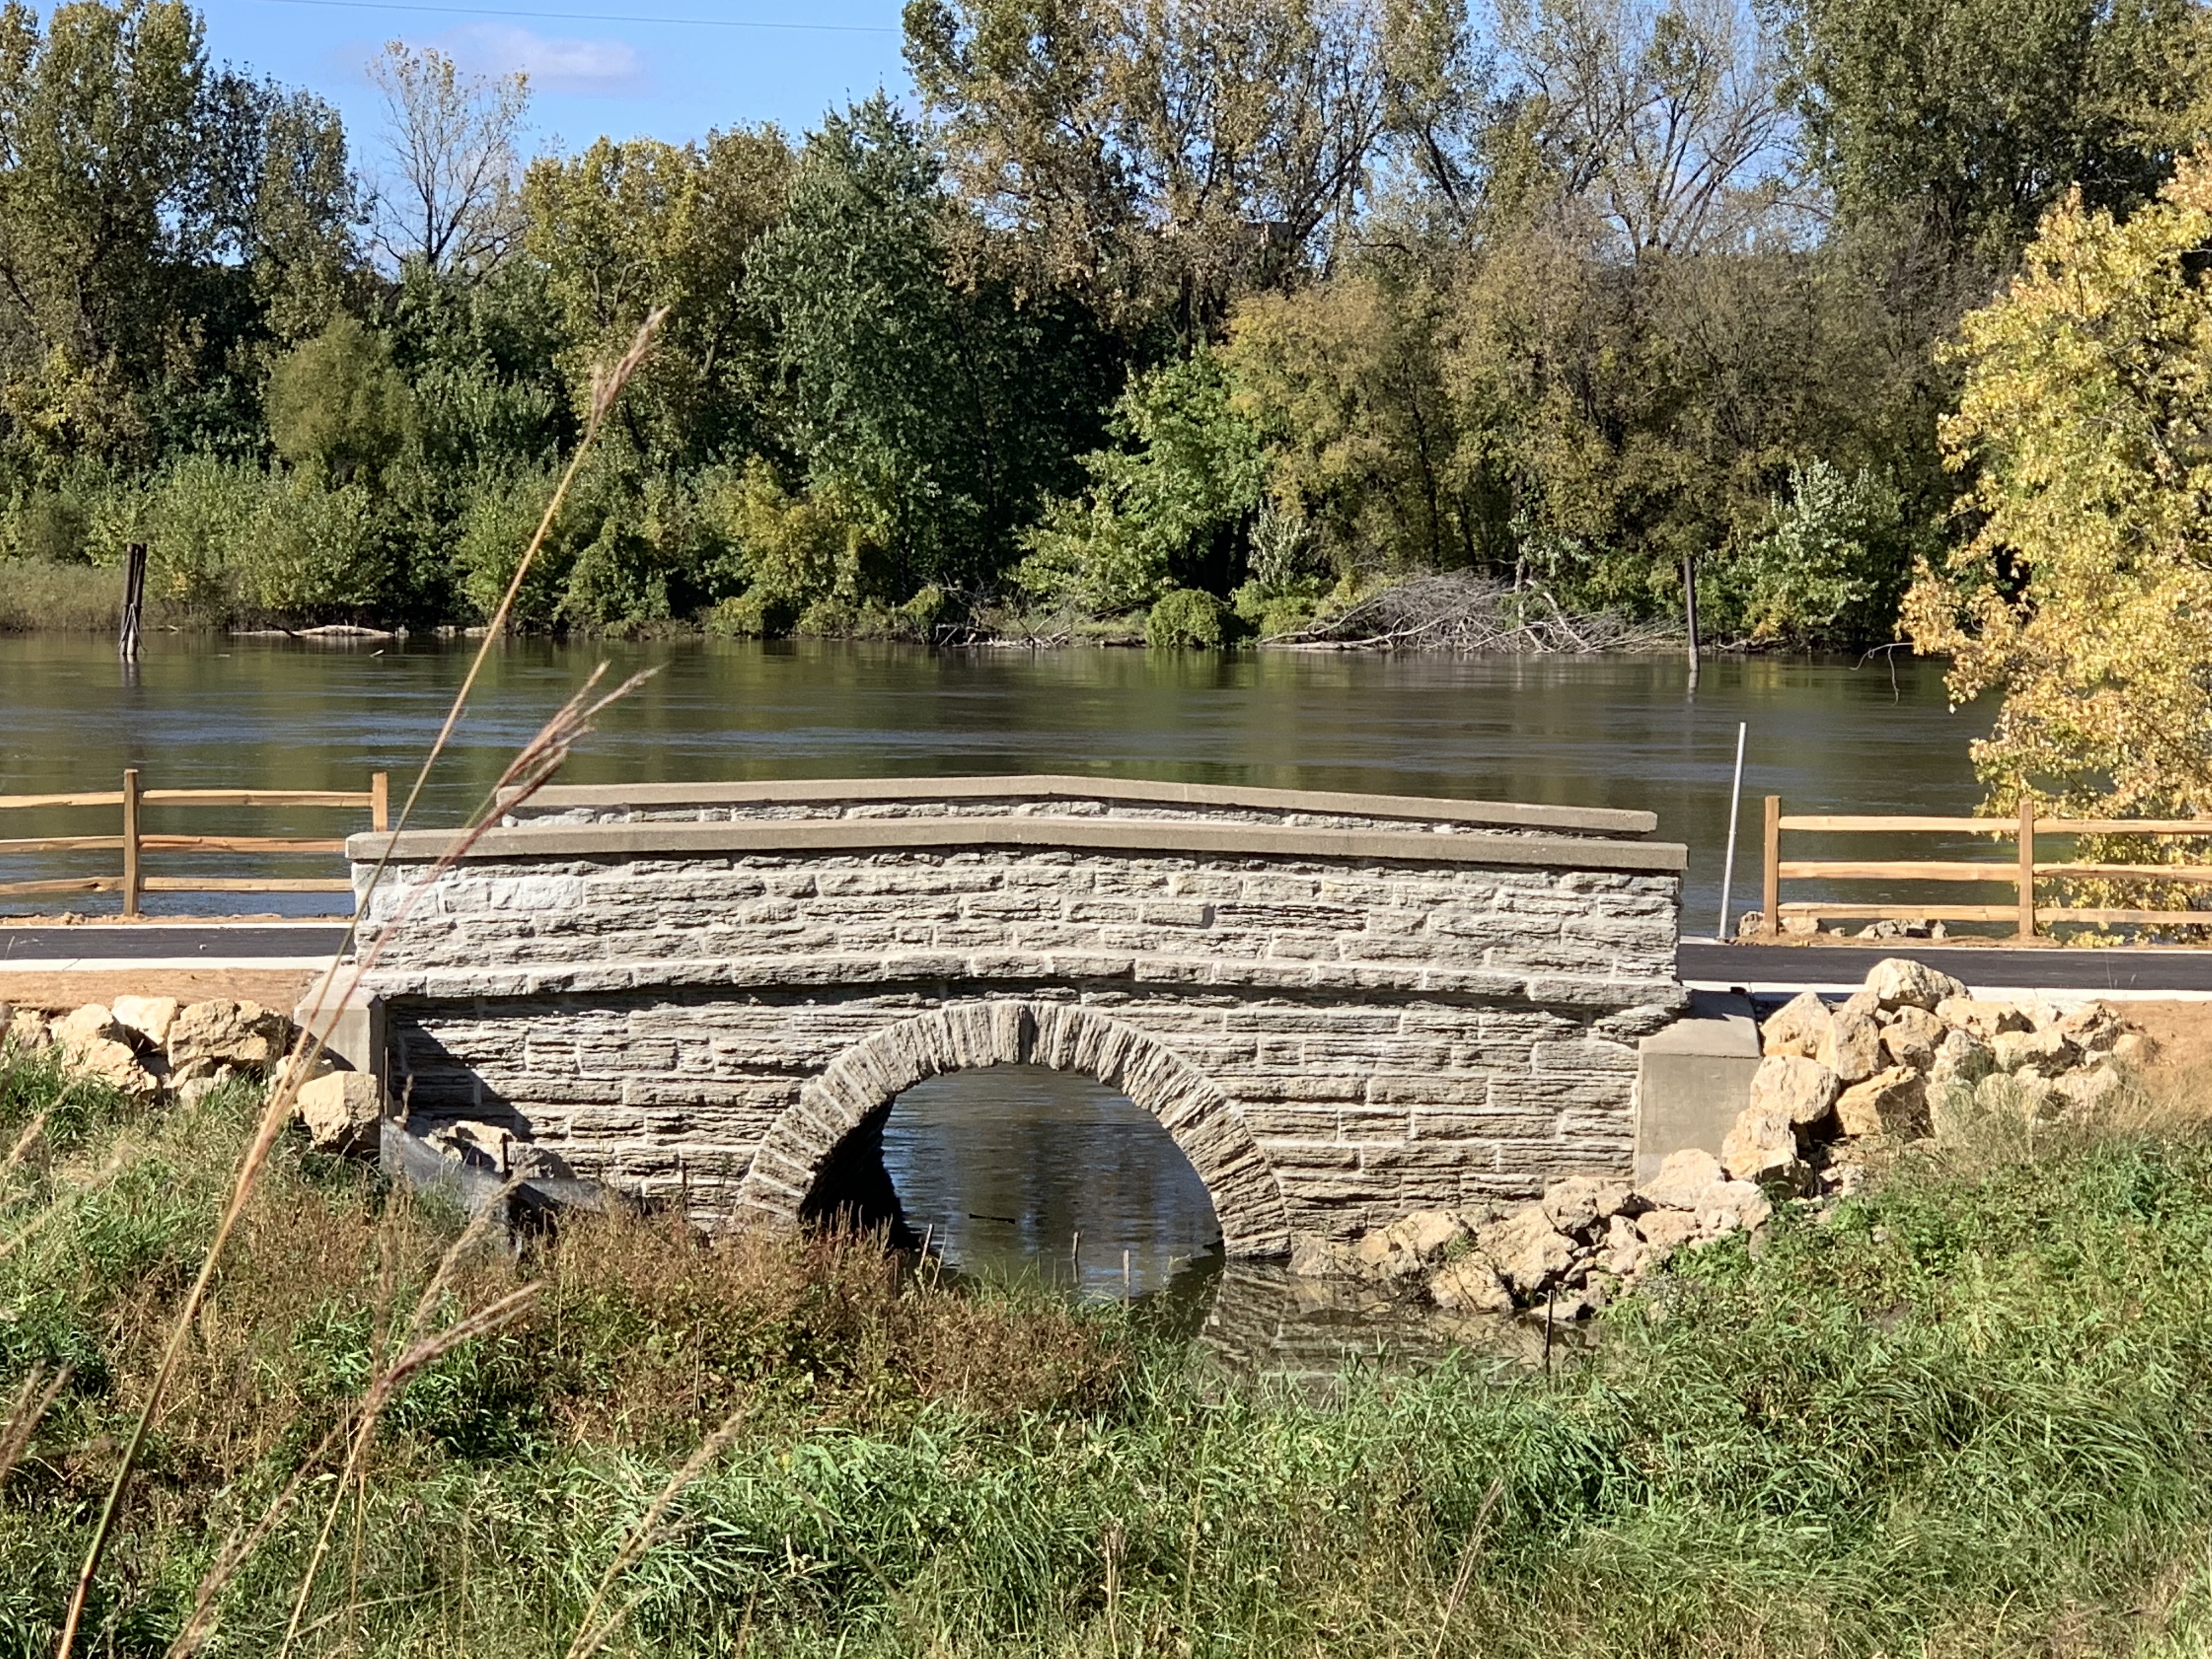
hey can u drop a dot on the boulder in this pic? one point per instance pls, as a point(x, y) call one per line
point(1625, 1249)
point(2131, 1049)
point(105, 1059)
point(2087, 1092)
point(1580, 1202)
point(2092, 1028)
point(1666, 1231)
point(2047, 1050)
point(26, 1031)
point(203, 1078)
point(1960, 1054)
point(1405, 1248)
point(1852, 1047)
point(1683, 1180)
point(1470, 1284)
point(340, 1110)
point(1795, 1028)
point(150, 1017)
point(1911, 1037)
point(1313, 1256)
point(1733, 1207)
point(93, 1022)
point(1984, 1019)
point(1890, 1102)
point(242, 1034)
point(1762, 1146)
point(1527, 1251)
point(482, 1145)
point(2027, 1095)
point(1802, 1090)
point(1897, 981)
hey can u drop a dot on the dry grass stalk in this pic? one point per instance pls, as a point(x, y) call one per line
point(527, 772)
point(32, 1400)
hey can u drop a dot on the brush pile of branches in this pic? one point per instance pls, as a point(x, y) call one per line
point(1462, 611)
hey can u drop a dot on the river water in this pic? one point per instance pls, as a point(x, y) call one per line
point(1006, 1168)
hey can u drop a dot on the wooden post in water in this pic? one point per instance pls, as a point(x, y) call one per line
point(131, 878)
point(380, 801)
point(1771, 868)
point(1690, 610)
point(2027, 876)
point(134, 598)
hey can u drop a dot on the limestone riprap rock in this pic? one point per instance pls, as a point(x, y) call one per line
point(1984, 1020)
point(2046, 1049)
point(92, 1023)
point(1795, 1028)
point(1890, 1102)
point(27, 1031)
point(227, 1033)
point(1406, 1247)
point(1804, 1091)
point(1762, 1148)
point(1911, 1037)
point(2088, 1091)
point(1683, 1180)
point(1580, 1202)
point(1470, 1284)
point(341, 1111)
point(2026, 1095)
point(1962, 1055)
point(150, 1017)
point(1528, 1251)
point(2093, 1029)
point(1852, 1047)
point(1897, 981)
point(1315, 1256)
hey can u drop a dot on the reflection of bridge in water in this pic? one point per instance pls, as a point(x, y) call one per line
point(1342, 1007)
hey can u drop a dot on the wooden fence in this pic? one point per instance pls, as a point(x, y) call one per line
point(134, 844)
point(2021, 872)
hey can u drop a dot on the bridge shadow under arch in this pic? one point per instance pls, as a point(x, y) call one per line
point(830, 1131)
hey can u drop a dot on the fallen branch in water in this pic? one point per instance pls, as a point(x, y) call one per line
point(1466, 612)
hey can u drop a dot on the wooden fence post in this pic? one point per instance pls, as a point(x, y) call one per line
point(380, 801)
point(2027, 876)
point(1770, 867)
point(130, 841)
point(134, 598)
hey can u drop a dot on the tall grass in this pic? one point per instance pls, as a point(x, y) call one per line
point(1962, 1415)
point(38, 596)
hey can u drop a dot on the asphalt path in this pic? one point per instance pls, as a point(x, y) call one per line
point(2141, 971)
point(239, 942)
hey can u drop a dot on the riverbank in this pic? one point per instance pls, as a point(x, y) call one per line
point(1959, 1412)
point(1460, 612)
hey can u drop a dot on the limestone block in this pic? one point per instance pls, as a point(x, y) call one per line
point(1897, 980)
point(104, 1060)
point(1797, 1027)
point(1527, 1252)
point(2046, 1049)
point(341, 1111)
point(150, 1017)
point(1580, 1202)
point(228, 1033)
point(1890, 1102)
point(92, 1023)
point(1762, 1148)
point(1665, 1231)
point(1960, 1054)
point(1471, 1285)
point(2090, 1091)
point(2092, 1028)
point(1910, 1036)
point(1984, 1019)
point(1683, 1180)
point(1852, 1047)
point(1801, 1092)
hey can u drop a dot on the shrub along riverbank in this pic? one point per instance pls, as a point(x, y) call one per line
point(1960, 1414)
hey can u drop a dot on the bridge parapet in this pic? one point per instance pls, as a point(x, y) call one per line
point(1398, 1001)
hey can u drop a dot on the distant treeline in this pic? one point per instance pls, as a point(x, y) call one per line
point(1258, 304)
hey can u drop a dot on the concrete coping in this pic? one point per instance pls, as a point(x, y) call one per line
point(1049, 786)
point(1140, 836)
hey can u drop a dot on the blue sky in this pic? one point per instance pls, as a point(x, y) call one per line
point(596, 66)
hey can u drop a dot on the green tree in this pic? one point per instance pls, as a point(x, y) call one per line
point(336, 403)
point(1974, 116)
point(942, 408)
point(2084, 595)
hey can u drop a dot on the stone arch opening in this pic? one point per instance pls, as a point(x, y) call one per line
point(854, 1094)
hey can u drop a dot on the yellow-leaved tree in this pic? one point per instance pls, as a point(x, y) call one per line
point(2085, 592)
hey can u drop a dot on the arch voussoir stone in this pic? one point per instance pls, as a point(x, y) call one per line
point(866, 1078)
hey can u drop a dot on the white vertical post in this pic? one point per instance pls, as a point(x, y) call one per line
point(1735, 812)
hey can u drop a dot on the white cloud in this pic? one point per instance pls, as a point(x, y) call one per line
point(553, 65)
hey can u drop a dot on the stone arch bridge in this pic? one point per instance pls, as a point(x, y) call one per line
point(1342, 1006)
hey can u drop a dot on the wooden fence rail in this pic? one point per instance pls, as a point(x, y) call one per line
point(134, 843)
point(2021, 872)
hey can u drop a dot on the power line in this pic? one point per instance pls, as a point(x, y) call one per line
point(585, 16)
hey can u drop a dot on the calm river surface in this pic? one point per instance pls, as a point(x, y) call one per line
point(1009, 1166)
